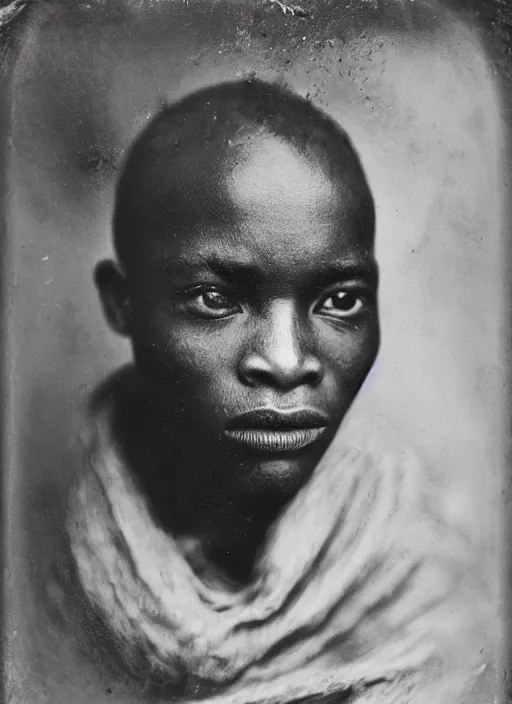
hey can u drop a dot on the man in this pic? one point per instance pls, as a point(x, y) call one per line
point(224, 544)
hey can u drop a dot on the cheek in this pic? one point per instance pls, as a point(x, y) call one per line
point(351, 354)
point(187, 354)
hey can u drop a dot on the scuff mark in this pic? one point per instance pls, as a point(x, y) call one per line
point(294, 10)
point(10, 11)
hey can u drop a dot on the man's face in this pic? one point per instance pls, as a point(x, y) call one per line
point(256, 324)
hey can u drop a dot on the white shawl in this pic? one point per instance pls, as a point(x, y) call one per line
point(358, 592)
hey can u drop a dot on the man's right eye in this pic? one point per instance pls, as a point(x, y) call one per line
point(213, 303)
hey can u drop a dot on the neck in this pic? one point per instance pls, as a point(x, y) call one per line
point(234, 545)
point(185, 501)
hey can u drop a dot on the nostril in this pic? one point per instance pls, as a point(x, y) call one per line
point(256, 370)
point(312, 376)
point(312, 373)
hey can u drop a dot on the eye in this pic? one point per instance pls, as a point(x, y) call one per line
point(213, 303)
point(342, 304)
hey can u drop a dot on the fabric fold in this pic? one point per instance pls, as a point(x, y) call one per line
point(355, 584)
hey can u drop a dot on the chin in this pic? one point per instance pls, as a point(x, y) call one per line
point(281, 478)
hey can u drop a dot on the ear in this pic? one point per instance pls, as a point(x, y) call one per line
point(113, 291)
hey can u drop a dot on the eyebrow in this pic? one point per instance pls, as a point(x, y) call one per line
point(225, 267)
point(242, 272)
point(365, 269)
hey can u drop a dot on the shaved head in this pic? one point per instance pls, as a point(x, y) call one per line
point(196, 162)
point(244, 227)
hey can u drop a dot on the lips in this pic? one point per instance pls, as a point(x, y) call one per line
point(271, 430)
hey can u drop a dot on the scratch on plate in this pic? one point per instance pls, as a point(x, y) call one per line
point(294, 10)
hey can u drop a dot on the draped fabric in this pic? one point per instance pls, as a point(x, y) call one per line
point(359, 591)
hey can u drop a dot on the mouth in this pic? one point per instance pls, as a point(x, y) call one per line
point(270, 430)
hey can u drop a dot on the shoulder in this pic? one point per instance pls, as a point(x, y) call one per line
point(75, 659)
point(383, 445)
point(466, 620)
point(123, 378)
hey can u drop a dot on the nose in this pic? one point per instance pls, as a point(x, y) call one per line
point(280, 356)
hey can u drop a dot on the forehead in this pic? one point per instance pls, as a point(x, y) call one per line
point(263, 197)
point(272, 177)
point(267, 248)
point(253, 198)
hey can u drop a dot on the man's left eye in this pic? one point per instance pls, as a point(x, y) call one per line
point(342, 304)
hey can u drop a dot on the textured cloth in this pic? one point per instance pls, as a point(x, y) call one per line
point(361, 592)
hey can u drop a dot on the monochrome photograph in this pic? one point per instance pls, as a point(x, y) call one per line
point(255, 341)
